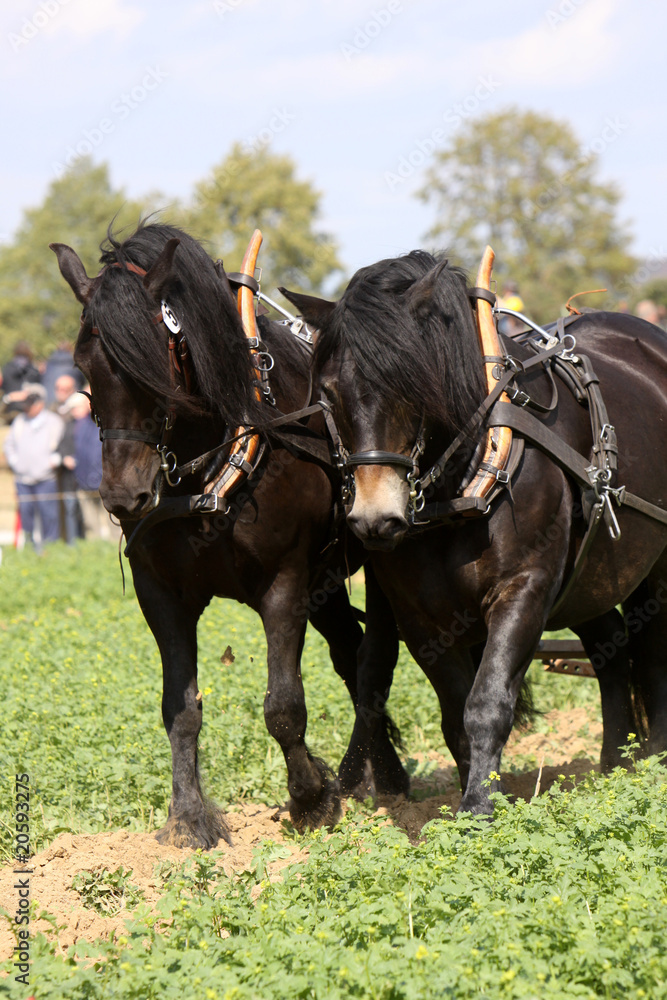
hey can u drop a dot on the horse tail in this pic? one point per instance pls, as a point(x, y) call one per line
point(640, 662)
point(392, 732)
point(638, 705)
point(525, 712)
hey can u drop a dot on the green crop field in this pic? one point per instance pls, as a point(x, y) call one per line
point(562, 896)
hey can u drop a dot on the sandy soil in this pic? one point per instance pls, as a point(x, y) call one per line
point(570, 746)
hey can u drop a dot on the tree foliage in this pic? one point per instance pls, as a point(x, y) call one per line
point(35, 303)
point(522, 182)
point(247, 190)
point(258, 189)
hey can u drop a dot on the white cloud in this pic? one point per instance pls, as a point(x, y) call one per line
point(83, 18)
point(568, 48)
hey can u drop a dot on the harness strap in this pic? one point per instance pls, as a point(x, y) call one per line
point(482, 293)
point(644, 507)
point(438, 467)
point(445, 511)
point(284, 418)
point(185, 506)
point(571, 461)
point(591, 531)
point(237, 278)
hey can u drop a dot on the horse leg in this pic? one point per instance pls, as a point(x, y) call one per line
point(193, 821)
point(313, 787)
point(336, 622)
point(646, 620)
point(373, 729)
point(451, 674)
point(606, 644)
point(515, 623)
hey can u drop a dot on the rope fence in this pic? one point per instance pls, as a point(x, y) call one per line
point(9, 504)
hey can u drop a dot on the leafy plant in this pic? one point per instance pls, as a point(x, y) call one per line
point(107, 892)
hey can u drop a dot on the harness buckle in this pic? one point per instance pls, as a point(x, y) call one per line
point(518, 396)
point(502, 477)
point(206, 503)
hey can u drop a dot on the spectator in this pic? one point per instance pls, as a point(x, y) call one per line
point(60, 363)
point(65, 389)
point(20, 369)
point(16, 373)
point(31, 449)
point(88, 467)
point(72, 517)
point(510, 326)
point(648, 310)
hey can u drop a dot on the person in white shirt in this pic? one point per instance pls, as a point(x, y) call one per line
point(31, 449)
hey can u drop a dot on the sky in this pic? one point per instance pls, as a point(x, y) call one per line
point(361, 95)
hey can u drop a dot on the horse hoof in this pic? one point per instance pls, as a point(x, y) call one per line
point(391, 781)
point(325, 812)
point(365, 788)
point(355, 775)
point(203, 831)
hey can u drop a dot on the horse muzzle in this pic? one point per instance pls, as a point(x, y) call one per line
point(377, 516)
point(382, 533)
point(128, 502)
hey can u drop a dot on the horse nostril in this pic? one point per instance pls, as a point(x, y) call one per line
point(392, 526)
point(143, 501)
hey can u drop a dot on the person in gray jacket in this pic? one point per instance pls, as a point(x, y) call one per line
point(31, 449)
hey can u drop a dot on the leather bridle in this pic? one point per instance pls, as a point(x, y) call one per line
point(180, 371)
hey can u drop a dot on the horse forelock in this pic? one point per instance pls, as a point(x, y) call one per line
point(418, 351)
point(124, 313)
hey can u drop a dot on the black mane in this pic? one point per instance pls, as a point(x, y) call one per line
point(123, 312)
point(418, 350)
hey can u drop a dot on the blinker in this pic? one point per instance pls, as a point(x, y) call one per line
point(169, 318)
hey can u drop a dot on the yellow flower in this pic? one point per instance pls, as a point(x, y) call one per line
point(421, 952)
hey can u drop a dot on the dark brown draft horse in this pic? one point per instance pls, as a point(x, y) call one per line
point(273, 546)
point(399, 362)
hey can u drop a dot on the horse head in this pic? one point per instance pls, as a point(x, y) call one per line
point(375, 441)
point(163, 348)
point(396, 362)
point(133, 424)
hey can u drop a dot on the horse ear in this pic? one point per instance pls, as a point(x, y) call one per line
point(222, 274)
point(420, 295)
point(159, 275)
point(74, 272)
point(315, 311)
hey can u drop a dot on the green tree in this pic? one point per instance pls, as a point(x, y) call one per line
point(35, 303)
point(655, 290)
point(522, 182)
point(259, 190)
